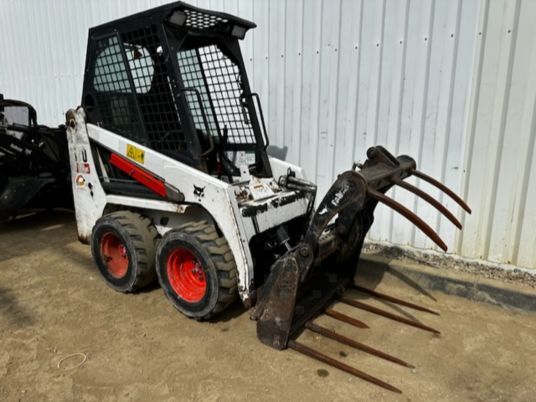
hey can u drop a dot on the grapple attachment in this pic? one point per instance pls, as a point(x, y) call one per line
point(34, 170)
point(310, 276)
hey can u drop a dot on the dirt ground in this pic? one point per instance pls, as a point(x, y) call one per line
point(66, 336)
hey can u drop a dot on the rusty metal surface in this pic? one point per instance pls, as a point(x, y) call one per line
point(345, 318)
point(410, 215)
point(395, 300)
point(387, 314)
point(354, 344)
point(443, 188)
point(345, 340)
point(275, 311)
point(428, 198)
point(301, 348)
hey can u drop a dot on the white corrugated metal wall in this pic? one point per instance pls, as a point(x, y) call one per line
point(452, 83)
point(500, 132)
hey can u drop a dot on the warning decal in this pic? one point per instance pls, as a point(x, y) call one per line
point(135, 154)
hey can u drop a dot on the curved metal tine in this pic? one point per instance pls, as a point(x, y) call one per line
point(409, 215)
point(443, 188)
point(428, 198)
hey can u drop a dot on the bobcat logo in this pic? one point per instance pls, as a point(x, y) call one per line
point(199, 191)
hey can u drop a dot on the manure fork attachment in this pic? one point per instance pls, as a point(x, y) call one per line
point(304, 282)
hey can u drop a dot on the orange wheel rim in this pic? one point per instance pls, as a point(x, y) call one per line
point(114, 254)
point(186, 275)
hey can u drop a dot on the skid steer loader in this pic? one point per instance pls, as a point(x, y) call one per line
point(172, 180)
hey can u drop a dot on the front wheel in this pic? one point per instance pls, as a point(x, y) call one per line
point(197, 270)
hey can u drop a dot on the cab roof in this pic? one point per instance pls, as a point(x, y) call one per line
point(181, 15)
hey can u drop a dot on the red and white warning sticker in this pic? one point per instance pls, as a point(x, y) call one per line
point(83, 167)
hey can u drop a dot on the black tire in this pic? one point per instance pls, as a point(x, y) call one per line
point(137, 238)
point(211, 254)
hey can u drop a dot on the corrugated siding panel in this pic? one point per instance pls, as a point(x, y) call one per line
point(500, 151)
point(340, 76)
point(451, 83)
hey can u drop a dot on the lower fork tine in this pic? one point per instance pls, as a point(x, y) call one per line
point(392, 299)
point(387, 314)
point(345, 318)
point(354, 344)
point(306, 350)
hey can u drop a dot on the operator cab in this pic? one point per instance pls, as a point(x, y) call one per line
point(173, 79)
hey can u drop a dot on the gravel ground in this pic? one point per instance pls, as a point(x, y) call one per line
point(66, 336)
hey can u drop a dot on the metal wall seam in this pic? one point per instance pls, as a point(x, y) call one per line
point(470, 129)
point(397, 102)
point(501, 106)
point(445, 116)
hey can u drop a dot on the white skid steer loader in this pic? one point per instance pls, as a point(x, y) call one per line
point(171, 180)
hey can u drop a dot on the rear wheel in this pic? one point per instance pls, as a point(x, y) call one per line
point(197, 270)
point(123, 247)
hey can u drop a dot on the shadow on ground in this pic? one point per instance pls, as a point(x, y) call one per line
point(41, 229)
point(370, 274)
point(13, 311)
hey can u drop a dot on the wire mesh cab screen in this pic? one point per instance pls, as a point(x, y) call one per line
point(218, 81)
point(172, 78)
point(133, 91)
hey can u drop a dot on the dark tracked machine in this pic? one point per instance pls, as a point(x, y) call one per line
point(34, 163)
point(172, 181)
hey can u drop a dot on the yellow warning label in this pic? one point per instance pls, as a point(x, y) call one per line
point(135, 153)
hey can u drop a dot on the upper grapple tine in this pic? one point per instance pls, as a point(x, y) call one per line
point(443, 188)
point(409, 215)
point(428, 198)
